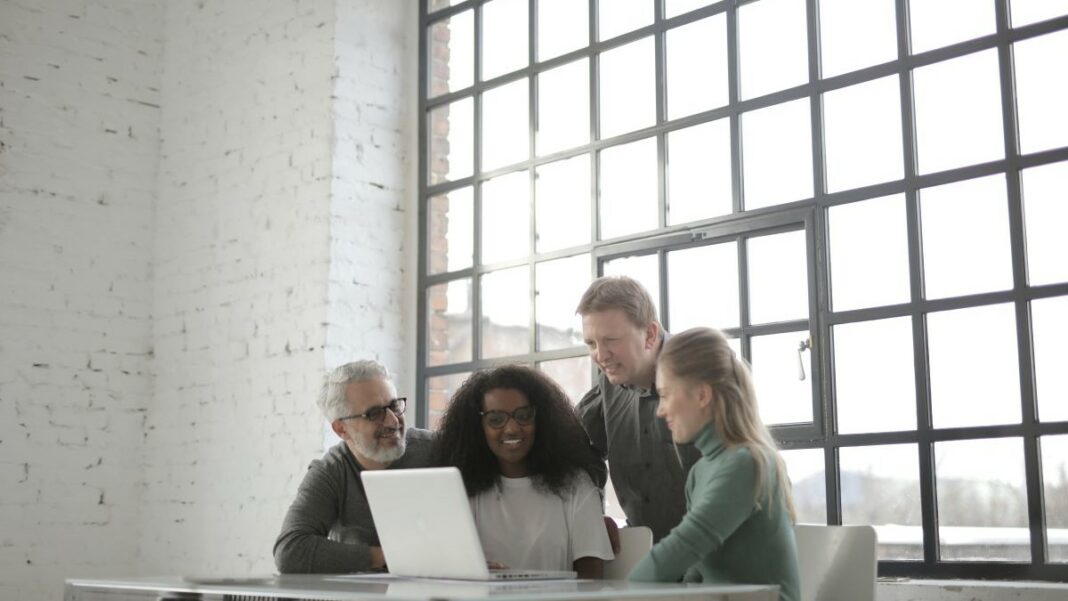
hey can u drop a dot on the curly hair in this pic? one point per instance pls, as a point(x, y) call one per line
point(561, 447)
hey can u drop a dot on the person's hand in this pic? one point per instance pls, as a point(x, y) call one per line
point(378, 560)
point(613, 533)
point(493, 565)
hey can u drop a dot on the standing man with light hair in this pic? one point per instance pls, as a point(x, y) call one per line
point(328, 528)
point(624, 338)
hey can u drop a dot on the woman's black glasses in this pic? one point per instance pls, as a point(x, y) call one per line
point(497, 419)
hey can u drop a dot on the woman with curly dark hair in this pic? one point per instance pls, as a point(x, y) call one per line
point(529, 471)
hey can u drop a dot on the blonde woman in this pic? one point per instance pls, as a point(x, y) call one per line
point(738, 526)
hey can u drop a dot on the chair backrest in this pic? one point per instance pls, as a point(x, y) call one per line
point(837, 563)
point(634, 543)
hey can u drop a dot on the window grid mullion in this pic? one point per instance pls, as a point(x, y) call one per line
point(533, 344)
point(733, 83)
point(476, 228)
point(925, 449)
point(660, 78)
point(1036, 515)
point(422, 405)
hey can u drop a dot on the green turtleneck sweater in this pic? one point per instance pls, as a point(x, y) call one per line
point(724, 537)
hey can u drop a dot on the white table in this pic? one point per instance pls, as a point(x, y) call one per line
point(379, 588)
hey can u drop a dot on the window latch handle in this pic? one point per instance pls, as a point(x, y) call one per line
point(802, 346)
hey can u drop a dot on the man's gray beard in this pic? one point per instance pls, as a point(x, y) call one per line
point(379, 454)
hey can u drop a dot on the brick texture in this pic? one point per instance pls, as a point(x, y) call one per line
point(203, 206)
point(79, 147)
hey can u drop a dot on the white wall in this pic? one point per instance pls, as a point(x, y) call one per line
point(373, 215)
point(203, 205)
point(79, 144)
point(241, 255)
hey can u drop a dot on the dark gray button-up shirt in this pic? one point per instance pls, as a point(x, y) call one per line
point(648, 471)
point(328, 528)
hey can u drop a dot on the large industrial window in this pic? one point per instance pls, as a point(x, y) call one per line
point(870, 197)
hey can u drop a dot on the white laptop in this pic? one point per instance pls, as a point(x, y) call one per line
point(425, 525)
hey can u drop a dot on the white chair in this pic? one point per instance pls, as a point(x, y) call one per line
point(837, 563)
point(634, 543)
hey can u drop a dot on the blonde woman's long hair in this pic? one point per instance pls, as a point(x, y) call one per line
point(702, 355)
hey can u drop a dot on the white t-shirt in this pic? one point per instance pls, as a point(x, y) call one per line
point(523, 527)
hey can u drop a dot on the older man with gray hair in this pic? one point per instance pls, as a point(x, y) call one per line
point(328, 528)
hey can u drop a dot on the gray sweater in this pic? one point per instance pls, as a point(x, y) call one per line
point(328, 528)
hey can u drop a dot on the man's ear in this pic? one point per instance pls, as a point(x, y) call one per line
point(339, 429)
point(652, 335)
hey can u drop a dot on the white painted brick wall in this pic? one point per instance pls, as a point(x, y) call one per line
point(252, 232)
point(373, 235)
point(79, 147)
point(242, 255)
point(279, 254)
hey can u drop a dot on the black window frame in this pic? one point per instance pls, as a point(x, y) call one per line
point(809, 214)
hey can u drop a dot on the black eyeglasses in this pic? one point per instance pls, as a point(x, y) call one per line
point(497, 419)
point(377, 414)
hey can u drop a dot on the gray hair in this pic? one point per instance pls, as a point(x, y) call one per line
point(331, 399)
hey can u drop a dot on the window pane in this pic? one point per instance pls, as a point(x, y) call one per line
point(808, 484)
point(434, 5)
point(699, 172)
point(564, 107)
point(854, 35)
point(644, 268)
point(449, 322)
point(881, 487)
point(697, 66)
point(452, 54)
point(938, 23)
point(452, 141)
point(778, 278)
point(678, 7)
point(504, 37)
point(573, 375)
point(563, 26)
point(772, 46)
point(784, 397)
point(863, 134)
point(1041, 93)
point(450, 231)
point(617, 17)
point(1025, 12)
point(982, 501)
point(1045, 215)
point(628, 189)
point(563, 188)
point(1049, 324)
point(865, 353)
point(505, 125)
point(439, 392)
point(703, 287)
point(963, 344)
point(956, 101)
point(506, 312)
point(559, 284)
point(628, 93)
point(1055, 487)
point(506, 217)
point(777, 154)
point(869, 253)
point(965, 229)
